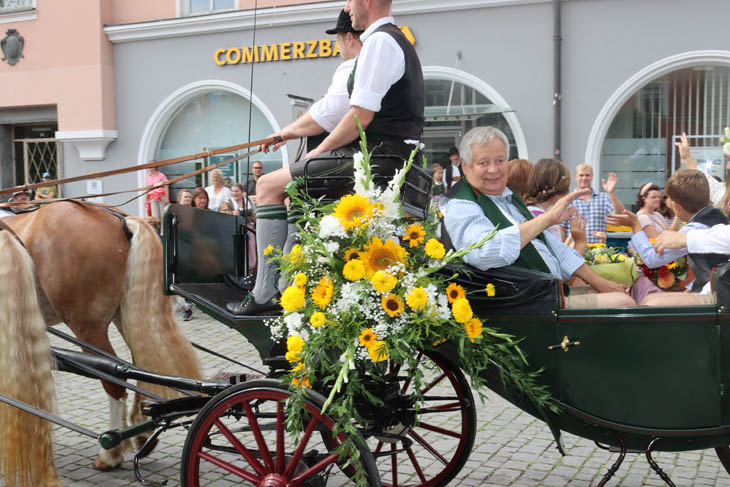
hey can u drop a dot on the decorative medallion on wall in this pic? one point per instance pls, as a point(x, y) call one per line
point(12, 46)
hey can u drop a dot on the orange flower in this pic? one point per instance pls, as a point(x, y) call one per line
point(666, 282)
point(454, 292)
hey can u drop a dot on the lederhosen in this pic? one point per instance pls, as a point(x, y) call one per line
point(449, 174)
point(702, 264)
point(400, 118)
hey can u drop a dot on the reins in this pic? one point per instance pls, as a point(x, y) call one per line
point(144, 190)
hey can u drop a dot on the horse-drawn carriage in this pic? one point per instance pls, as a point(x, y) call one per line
point(634, 379)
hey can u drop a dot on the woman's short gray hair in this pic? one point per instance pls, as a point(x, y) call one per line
point(480, 136)
point(216, 172)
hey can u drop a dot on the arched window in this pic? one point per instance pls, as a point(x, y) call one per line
point(456, 102)
point(212, 120)
point(639, 144)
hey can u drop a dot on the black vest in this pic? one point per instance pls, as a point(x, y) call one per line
point(401, 110)
point(702, 264)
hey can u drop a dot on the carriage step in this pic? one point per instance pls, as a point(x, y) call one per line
point(212, 298)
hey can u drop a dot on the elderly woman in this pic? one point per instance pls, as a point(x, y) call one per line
point(217, 192)
point(483, 201)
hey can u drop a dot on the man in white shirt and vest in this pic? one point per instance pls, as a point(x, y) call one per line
point(387, 95)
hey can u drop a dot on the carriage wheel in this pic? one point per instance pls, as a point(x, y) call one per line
point(241, 434)
point(723, 453)
point(432, 452)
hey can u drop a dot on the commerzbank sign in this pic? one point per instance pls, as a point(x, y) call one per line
point(284, 51)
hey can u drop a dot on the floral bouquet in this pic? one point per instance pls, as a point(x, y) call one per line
point(611, 264)
point(368, 292)
point(671, 277)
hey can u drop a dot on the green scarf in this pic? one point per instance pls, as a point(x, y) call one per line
point(529, 257)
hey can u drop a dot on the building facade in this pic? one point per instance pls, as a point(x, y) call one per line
point(143, 81)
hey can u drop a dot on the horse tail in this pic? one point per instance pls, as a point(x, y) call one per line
point(26, 441)
point(148, 322)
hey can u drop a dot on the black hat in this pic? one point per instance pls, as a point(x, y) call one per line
point(453, 150)
point(344, 24)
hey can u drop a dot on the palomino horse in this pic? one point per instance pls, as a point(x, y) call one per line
point(76, 266)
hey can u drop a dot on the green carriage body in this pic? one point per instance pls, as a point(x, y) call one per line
point(638, 373)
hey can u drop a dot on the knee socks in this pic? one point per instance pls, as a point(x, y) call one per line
point(271, 229)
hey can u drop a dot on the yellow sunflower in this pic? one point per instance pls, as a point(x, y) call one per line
point(672, 265)
point(392, 305)
point(352, 253)
point(378, 351)
point(268, 249)
point(353, 210)
point(322, 294)
point(354, 270)
point(367, 337)
point(380, 256)
point(473, 328)
point(300, 376)
point(489, 290)
point(293, 298)
point(415, 235)
point(435, 249)
point(300, 279)
point(454, 292)
point(383, 282)
point(294, 347)
point(317, 319)
point(417, 298)
point(462, 310)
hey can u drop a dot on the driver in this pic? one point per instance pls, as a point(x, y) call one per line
point(386, 94)
point(483, 201)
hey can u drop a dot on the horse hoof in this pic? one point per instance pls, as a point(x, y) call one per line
point(108, 460)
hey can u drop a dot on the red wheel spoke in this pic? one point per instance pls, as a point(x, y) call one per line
point(254, 424)
point(394, 464)
point(230, 468)
point(280, 427)
point(436, 429)
point(314, 469)
point(428, 447)
point(379, 447)
point(416, 465)
point(300, 447)
point(434, 383)
point(452, 406)
point(240, 448)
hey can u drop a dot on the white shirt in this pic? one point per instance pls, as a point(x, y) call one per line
point(215, 200)
point(715, 240)
point(380, 65)
point(334, 105)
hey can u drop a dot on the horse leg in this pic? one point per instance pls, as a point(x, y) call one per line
point(96, 335)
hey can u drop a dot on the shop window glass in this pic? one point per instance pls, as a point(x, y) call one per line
point(639, 146)
point(452, 109)
point(211, 121)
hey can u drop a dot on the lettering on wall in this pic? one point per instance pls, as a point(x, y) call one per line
point(284, 51)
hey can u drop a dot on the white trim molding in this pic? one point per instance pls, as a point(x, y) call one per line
point(280, 16)
point(440, 72)
point(91, 144)
point(169, 106)
point(656, 70)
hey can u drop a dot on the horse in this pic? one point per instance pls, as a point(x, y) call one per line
point(72, 262)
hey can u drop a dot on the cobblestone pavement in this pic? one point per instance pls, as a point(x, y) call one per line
point(512, 448)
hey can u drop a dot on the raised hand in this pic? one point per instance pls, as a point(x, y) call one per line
point(610, 185)
point(577, 225)
point(684, 154)
point(627, 218)
point(558, 212)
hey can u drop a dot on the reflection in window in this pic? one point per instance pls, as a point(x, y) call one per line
point(211, 121)
point(452, 109)
point(206, 6)
point(639, 145)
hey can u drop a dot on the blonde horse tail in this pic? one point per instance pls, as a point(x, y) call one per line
point(148, 322)
point(26, 441)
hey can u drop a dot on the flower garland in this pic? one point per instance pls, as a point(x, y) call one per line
point(368, 286)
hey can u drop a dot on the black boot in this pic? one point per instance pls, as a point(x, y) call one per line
point(249, 307)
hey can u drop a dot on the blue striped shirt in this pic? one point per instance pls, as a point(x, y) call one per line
point(466, 224)
point(599, 205)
